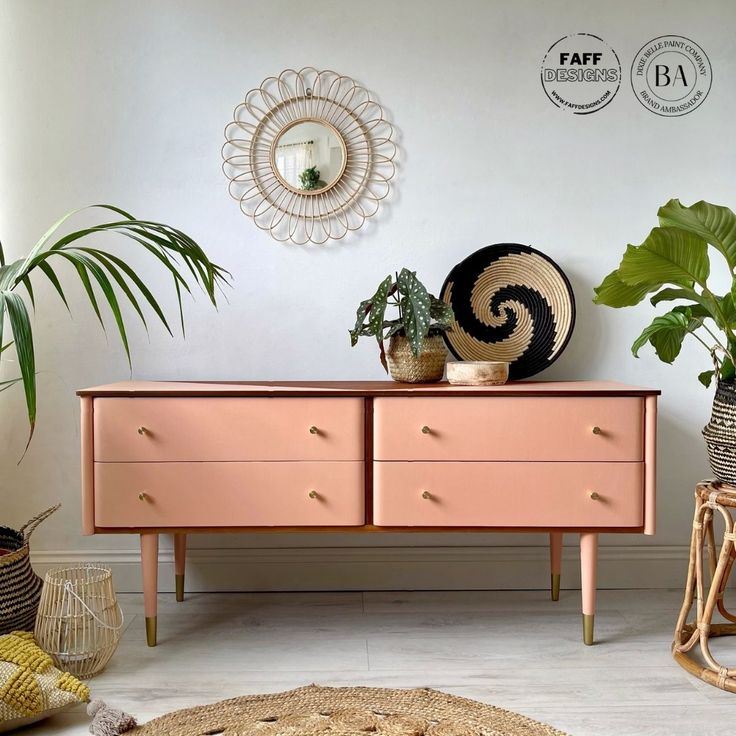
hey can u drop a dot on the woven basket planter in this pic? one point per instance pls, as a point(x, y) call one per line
point(720, 434)
point(20, 587)
point(427, 367)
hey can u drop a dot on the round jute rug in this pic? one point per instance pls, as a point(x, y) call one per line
point(346, 711)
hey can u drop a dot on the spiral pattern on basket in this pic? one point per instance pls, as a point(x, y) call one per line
point(511, 303)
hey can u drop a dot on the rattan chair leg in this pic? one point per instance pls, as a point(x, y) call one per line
point(710, 499)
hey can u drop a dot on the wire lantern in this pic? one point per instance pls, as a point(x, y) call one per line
point(79, 621)
point(365, 156)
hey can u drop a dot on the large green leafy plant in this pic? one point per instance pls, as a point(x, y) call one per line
point(104, 276)
point(420, 314)
point(673, 265)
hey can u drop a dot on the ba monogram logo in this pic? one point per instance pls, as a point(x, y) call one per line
point(671, 76)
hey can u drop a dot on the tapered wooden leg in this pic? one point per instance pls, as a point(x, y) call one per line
point(588, 574)
point(180, 556)
point(149, 567)
point(555, 562)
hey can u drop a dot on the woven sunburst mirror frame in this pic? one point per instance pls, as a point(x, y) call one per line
point(335, 208)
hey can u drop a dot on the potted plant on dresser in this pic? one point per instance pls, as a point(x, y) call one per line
point(673, 265)
point(416, 350)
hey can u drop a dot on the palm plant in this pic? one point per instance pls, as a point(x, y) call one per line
point(177, 253)
point(673, 265)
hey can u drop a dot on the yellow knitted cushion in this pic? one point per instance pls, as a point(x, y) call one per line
point(31, 688)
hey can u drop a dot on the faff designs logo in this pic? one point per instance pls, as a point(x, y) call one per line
point(581, 73)
point(671, 76)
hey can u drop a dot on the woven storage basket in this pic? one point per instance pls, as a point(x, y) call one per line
point(720, 434)
point(428, 367)
point(20, 587)
point(79, 621)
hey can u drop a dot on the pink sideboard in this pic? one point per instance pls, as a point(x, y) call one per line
point(368, 457)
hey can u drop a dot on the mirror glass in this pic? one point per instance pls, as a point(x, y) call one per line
point(309, 156)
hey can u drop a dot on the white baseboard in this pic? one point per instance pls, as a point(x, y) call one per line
point(385, 568)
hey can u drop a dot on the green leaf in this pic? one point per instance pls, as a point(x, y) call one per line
point(713, 223)
point(86, 283)
point(613, 292)
point(379, 302)
point(29, 288)
point(109, 293)
point(23, 336)
point(728, 308)
point(728, 371)
point(666, 334)
point(2, 321)
point(363, 309)
point(115, 273)
point(392, 327)
point(53, 278)
point(667, 256)
point(706, 378)
point(440, 311)
point(415, 308)
point(693, 310)
point(104, 257)
point(669, 295)
point(4, 385)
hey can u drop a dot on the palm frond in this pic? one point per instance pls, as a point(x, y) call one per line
point(106, 280)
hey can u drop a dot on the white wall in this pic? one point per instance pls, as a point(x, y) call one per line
point(125, 102)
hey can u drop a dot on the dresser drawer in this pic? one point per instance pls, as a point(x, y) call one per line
point(508, 494)
point(182, 429)
point(509, 428)
point(229, 494)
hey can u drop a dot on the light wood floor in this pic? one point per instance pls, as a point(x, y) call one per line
point(517, 650)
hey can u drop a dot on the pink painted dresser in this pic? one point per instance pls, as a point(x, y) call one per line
point(368, 457)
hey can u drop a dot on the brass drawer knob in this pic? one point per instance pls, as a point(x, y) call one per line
point(313, 430)
point(595, 496)
point(426, 495)
point(142, 430)
point(597, 430)
point(143, 496)
point(426, 429)
point(313, 494)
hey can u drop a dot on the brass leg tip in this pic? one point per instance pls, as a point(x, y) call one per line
point(588, 621)
point(179, 587)
point(151, 630)
point(555, 588)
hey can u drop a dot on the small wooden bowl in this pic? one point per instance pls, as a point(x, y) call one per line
point(477, 373)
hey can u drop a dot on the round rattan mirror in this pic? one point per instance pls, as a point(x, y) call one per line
point(309, 156)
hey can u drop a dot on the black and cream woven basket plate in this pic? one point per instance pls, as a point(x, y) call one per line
point(511, 303)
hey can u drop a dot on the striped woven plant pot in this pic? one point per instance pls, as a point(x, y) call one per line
point(720, 434)
point(20, 587)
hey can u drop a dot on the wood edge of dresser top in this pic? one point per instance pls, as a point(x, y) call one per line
point(371, 389)
point(366, 529)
